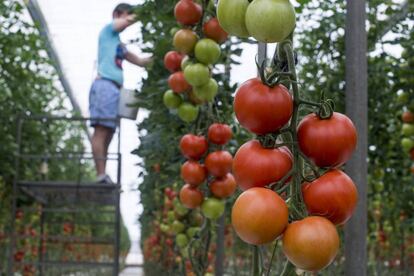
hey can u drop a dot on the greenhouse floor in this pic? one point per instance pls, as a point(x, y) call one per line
point(134, 258)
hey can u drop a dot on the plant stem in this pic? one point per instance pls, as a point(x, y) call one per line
point(288, 270)
point(295, 189)
point(271, 259)
point(256, 261)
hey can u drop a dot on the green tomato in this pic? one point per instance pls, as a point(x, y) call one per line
point(172, 100)
point(212, 208)
point(197, 218)
point(207, 51)
point(177, 227)
point(173, 31)
point(181, 240)
point(407, 144)
point(231, 15)
point(188, 112)
point(270, 21)
point(408, 129)
point(208, 91)
point(181, 210)
point(170, 216)
point(192, 231)
point(197, 74)
point(402, 98)
point(185, 62)
point(164, 228)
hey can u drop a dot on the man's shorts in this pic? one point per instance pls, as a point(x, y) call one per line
point(103, 103)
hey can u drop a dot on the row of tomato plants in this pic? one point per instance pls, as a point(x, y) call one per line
point(269, 169)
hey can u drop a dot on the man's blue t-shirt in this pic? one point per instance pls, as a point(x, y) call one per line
point(111, 52)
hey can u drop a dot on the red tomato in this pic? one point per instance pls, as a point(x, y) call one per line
point(219, 163)
point(327, 142)
point(193, 146)
point(177, 82)
point(311, 244)
point(187, 12)
point(256, 166)
point(259, 216)
point(191, 197)
point(213, 30)
point(172, 61)
point(223, 187)
point(407, 117)
point(219, 134)
point(333, 196)
point(193, 173)
point(262, 109)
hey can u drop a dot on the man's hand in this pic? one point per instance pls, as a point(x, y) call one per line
point(134, 59)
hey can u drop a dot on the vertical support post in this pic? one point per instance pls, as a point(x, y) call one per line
point(117, 192)
point(357, 110)
point(262, 52)
point(219, 262)
point(12, 241)
point(41, 249)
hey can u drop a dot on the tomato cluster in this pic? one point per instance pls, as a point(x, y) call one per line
point(266, 20)
point(407, 130)
point(269, 168)
point(190, 64)
point(216, 170)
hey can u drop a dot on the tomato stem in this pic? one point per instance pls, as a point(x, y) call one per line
point(256, 261)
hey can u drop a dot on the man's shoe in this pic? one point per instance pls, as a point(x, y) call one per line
point(104, 179)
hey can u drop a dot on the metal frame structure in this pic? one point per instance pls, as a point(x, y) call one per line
point(64, 197)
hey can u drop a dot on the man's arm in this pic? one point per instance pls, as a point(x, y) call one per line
point(134, 59)
point(119, 24)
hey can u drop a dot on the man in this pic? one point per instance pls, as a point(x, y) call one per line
point(104, 93)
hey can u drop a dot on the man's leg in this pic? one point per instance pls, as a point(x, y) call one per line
point(99, 147)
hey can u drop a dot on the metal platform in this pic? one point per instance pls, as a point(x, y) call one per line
point(55, 192)
point(61, 203)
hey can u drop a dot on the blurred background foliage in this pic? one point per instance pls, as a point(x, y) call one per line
point(29, 85)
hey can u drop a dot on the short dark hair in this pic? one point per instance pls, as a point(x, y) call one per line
point(121, 8)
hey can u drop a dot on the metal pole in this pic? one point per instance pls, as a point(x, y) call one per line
point(357, 110)
point(117, 206)
point(262, 52)
point(41, 242)
point(219, 262)
point(12, 235)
